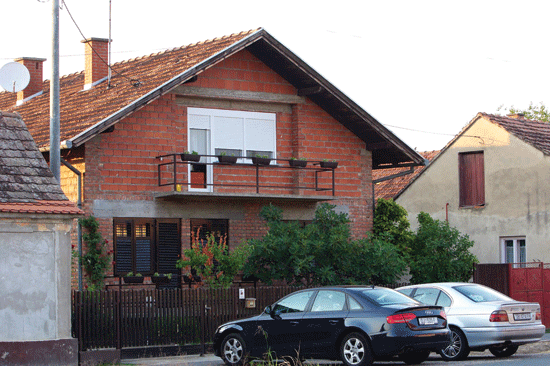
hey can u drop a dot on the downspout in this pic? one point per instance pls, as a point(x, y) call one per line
point(79, 228)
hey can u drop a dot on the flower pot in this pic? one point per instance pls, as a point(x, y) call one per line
point(160, 279)
point(190, 157)
point(261, 161)
point(198, 180)
point(297, 163)
point(329, 164)
point(133, 279)
point(224, 159)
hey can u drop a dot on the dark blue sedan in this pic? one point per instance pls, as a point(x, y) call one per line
point(356, 325)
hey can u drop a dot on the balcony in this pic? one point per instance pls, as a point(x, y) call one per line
point(210, 176)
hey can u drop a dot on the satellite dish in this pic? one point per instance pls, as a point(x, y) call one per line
point(14, 77)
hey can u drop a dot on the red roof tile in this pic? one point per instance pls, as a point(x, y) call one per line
point(42, 207)
point(391, 188)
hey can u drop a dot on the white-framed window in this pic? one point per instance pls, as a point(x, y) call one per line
point(234, 132)
point(513, 249)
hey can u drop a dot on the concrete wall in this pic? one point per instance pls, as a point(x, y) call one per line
point(517, 193)
point(35, 288)
point(35, 261)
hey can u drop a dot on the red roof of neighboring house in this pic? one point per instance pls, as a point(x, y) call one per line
point(391, 188)
point(536, 133)
point(27, 184)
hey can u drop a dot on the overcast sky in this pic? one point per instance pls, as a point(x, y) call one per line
point(421, 68)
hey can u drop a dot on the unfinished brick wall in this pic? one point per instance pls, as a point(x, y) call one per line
point(122, 164)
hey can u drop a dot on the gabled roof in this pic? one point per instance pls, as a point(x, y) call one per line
point(391, 188)
point(535, 133)
point(26, 182)
point(136, 82)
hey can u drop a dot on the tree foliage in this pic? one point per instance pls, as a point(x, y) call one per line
point(212, 261)
point(390, 220)
point(533, 112)
point(322, 253)
point(440, 253)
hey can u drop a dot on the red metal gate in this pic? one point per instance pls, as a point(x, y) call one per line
point(520, 281)
point(531, 282)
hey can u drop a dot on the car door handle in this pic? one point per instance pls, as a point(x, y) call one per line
point(294, 323)
point(334, 321)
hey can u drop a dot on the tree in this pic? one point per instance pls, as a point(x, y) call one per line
point(322, 253)
point(390, 220)
point(440, 253)
point(534, 112)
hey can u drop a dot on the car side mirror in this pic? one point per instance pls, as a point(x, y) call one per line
point(273, 313)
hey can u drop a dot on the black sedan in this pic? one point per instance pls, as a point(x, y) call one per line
point(356, 325)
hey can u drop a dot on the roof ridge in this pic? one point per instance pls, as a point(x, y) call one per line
point(174, 49)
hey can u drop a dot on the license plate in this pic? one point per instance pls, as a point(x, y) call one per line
point(427, 321)
point(522, 316)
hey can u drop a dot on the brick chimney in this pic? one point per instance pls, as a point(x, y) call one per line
point(520, 116)
point(96, 67)
point(35, 67)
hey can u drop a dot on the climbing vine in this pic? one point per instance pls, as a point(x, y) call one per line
point(95, 259)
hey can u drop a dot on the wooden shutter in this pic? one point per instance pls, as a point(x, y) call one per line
point(471, 179)
point(123, 247)
point(168, 250)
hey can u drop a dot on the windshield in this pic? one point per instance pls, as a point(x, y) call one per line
point(481, 294)
point(384, 296)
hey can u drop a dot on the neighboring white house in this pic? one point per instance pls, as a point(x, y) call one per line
point(492, 183)
point(36, 219)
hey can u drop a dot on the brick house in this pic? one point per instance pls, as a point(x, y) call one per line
point(36, 220)
point(243, 94)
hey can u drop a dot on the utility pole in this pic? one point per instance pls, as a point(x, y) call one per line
point(55, 154)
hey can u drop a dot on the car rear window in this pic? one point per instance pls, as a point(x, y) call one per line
point(481, 294)
point(383, 296)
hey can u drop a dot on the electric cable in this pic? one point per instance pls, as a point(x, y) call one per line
point(134, 82)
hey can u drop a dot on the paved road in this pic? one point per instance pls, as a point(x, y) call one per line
point(536, 354)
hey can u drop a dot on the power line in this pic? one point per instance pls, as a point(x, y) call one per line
point(134, 82)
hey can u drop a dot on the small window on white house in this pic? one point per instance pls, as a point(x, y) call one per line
point(513, 250)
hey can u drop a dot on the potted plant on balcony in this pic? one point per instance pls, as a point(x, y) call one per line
point(133, 278)
point(161, 278)
point(297, 163)
point(190, 156)
point(227, 159)
point(329, 164)
point(261, 160)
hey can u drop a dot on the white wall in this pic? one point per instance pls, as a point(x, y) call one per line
point(35, 300)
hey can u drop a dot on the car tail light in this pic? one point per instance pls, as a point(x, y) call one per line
point(443, 315)
point(498, 316)
point(538, 316)
point(400, 318)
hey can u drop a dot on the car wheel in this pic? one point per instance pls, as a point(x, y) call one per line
point(355, 350)
point(414, 358)
point(233, 350)
point(458, 347)
point(503, 351)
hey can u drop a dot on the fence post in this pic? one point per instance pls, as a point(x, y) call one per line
point(117, 317)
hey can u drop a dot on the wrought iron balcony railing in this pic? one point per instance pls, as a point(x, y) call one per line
point(259, 174)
